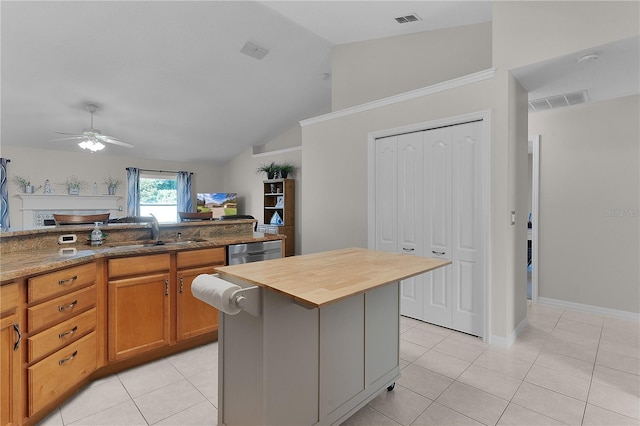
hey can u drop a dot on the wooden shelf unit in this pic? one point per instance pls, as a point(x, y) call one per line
point(279, 196)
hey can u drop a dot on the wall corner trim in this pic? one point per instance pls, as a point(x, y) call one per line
point(424, 91)
point(506, 342)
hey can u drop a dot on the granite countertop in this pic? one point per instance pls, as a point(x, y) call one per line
point(321, 278)
point(31, 262)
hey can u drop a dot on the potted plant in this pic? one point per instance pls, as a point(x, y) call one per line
point(25, 184)
point(112, 184)
point(74, 185)
point(270, 169)
point(285, 169)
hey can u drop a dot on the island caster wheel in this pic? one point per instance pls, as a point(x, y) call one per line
point(391, 386)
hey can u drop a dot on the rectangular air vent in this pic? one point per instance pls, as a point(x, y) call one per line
point(254, 51)
point(412, 17)
point(558, 101)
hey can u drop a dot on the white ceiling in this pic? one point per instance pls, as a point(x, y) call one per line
point(168, 76)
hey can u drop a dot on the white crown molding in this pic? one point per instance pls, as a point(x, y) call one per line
point(276, 152)
point(429, 90)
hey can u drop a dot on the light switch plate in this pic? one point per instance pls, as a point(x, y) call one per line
point(513, 217)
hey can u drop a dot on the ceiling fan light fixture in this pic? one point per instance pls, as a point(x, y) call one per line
point(92, 146)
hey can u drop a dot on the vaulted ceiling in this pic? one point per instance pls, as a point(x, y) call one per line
point(168, 76)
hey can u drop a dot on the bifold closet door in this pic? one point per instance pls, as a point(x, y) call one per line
point(399, 204)
point(438, 157)
point(468, 258)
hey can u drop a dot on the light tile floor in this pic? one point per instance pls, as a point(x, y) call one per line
point(567, 367)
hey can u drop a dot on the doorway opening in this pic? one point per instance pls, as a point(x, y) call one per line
point(534, 222)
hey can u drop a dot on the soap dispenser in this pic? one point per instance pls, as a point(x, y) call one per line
point(96, 236)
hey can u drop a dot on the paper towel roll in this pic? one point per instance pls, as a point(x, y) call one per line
point(216, 292)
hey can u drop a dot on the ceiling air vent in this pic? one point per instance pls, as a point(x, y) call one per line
point(254, 51)
point(558, 101)
point(413, 17)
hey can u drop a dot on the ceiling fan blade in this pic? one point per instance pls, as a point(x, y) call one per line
point(109, 139)
point(65, 133)
point(67, 139)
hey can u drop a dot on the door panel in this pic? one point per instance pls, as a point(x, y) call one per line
point(386, 194)
point(437, 216)
point(468, 290)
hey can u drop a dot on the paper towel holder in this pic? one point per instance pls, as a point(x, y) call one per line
point(248, 299)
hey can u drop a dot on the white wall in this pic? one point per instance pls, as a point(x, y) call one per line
point(370, 70)
point(41, 164)
point(589, 203)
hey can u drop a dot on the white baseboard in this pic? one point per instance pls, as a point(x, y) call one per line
point(598, 310)
point(506, 343)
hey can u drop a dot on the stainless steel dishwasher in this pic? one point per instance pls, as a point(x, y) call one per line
point(253, 252)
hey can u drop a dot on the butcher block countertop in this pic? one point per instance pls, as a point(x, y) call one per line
point(322, 278)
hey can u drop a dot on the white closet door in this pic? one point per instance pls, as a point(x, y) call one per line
point(386, 194)
point(438, 224)
point(468, 274)
point(410, 190)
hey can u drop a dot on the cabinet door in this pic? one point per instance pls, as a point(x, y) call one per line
point(194, 317)
point(138, 315)
point(9, 371)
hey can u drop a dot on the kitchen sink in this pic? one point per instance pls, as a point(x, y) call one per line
point(151, 243)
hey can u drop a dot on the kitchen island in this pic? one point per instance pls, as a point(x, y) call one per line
point(324, 341)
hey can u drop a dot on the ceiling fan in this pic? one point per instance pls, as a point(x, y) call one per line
point(92, 139)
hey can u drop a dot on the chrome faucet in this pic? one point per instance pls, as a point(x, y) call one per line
point(155, 228)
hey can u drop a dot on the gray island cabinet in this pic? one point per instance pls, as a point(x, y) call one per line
point(325, 342)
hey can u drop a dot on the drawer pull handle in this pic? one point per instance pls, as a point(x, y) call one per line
point(66, 333)
point(69, 358)
point(408, 249)
point(181, 284)
point(440, 253)
point(68, 280)
point(69, 306)
point(166, 287)
point(16, 328)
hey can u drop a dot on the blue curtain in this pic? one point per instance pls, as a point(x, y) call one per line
point(133, 191)
point(183, 184)
point(4, 195)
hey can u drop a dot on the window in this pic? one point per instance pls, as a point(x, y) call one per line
point(159, 195)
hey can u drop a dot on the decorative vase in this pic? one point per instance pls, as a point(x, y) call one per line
point(112, 189)
point(74, 191)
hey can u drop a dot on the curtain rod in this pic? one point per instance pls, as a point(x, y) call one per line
point(160, 171)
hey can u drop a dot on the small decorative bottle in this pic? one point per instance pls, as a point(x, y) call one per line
point(96, 236)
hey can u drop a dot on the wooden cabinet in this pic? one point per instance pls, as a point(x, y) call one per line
point(279, 209)
point(10, 365)
point(138, 305)
point(61, 324)
point(194, 317)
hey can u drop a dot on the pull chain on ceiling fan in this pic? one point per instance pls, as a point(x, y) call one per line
point(92, 139)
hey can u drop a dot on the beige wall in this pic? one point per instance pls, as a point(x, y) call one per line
point(375, 69)
point(240, 177)
point(526, 32)
point(589, 203)
point(41, 164)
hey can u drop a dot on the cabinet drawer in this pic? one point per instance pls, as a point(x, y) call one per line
point(212, 256)
point(58, 282)
point(9, 298)
point(60, 308)
point(59, 335)
point(128, 266)
point(60, 371)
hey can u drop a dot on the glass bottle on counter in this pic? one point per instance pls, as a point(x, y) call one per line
point(96, 236)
